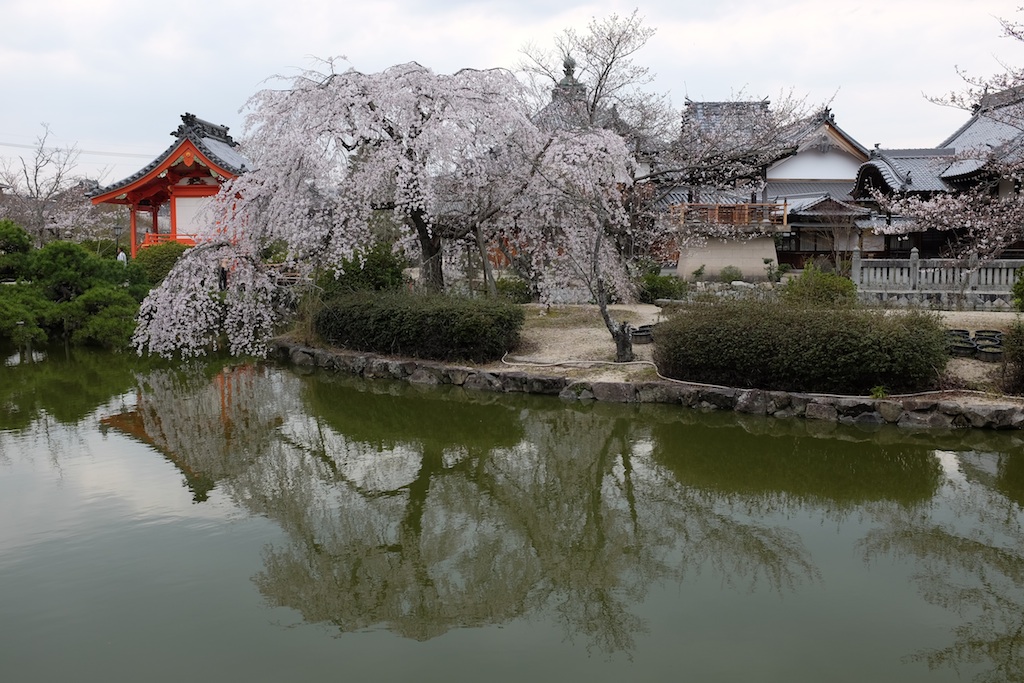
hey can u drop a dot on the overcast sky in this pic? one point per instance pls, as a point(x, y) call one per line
point(114, 76)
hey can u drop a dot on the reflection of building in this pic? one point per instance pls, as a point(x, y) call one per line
point(195, 429)
point(183, 178)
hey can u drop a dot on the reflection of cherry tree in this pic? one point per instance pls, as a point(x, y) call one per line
point(972, 565)
point(393, 522)
point(423, 511)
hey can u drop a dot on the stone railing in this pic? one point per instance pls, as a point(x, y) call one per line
point(946, 283)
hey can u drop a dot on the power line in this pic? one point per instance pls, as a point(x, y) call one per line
point(82, 151)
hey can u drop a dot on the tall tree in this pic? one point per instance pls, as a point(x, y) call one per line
point(44, 189)
point(614, 84)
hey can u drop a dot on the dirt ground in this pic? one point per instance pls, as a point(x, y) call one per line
point(573, 341)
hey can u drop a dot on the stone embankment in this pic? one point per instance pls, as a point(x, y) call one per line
point(925, 411)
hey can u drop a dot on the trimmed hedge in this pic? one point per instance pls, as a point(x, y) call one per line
point(421, 326)
point(771, 345)
point(816, 287)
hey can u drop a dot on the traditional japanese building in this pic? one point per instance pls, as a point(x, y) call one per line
point(180, 181)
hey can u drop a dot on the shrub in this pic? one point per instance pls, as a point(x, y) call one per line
point(653, 286)
point(1018, 289)
point(516, 290)
point(730, 274)
point(772, 345)
point(15, 245)
point(63, 270)
point(156, 261)
point(1013, 359)
point(23, 314)
point(103, 316)
point(375, 269)
point(422, 326)
point(815, 287)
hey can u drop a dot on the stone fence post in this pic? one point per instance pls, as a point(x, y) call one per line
point(915, 269)
point(855, 266)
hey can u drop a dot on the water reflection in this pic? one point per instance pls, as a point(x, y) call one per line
point(970, 562)
point(424, 510)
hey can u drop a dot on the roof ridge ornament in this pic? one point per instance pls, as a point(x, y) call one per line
point(190, 123)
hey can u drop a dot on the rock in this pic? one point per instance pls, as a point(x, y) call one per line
point(752, 401)
point(458, 376)
point(425, 375)
point(483, 381)
point(546, 385)
point(854, 406)
point(614, 392)
point(891, 411)
point(821, 411)
point(302, 356)
point(514, 381)
point(718, 397)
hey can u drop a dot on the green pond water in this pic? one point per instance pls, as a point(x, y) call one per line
point(242, 522)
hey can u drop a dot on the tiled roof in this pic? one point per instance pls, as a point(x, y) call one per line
point(911, 170)
point(992, 129)
point(825, 205)
point(803, 132)
point(211, 139)
point(793, 190)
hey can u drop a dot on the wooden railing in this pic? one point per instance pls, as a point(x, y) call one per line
point(732, 214)
point(152, 238)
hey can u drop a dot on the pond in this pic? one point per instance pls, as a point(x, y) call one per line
point(241, 521)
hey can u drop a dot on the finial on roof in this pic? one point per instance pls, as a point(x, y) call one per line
point(569, 66)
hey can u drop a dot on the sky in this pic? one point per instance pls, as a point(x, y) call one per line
point(112, 77)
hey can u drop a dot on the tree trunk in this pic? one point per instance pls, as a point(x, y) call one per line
point(623, 343)
point(620, 331)
point(431, 271)
point(492, 286)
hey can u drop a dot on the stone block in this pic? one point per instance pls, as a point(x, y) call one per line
point(821, 411)
point(614, 392)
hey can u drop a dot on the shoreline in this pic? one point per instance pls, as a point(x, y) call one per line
point(931, 411)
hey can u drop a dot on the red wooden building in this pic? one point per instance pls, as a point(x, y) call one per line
point(183, 178)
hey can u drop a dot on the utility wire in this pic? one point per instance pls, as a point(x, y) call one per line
point(81, 151)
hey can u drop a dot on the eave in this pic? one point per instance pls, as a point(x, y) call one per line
point(147, 185)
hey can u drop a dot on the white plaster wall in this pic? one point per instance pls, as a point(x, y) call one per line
point(811, 164)
point(189, 213)
point(747, 255)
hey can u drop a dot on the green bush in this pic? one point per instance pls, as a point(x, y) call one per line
point(103, 316)
point(516, 290)
point(63, 270)
point(15, 245)
point(1013, 359)
point(730, 274)
point(156, 261)
point(376, 269)
point(422, 326)
point(815, 287)
point(1018, 289)
point(24, 313)
point(653, 286)
point(771, 345)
